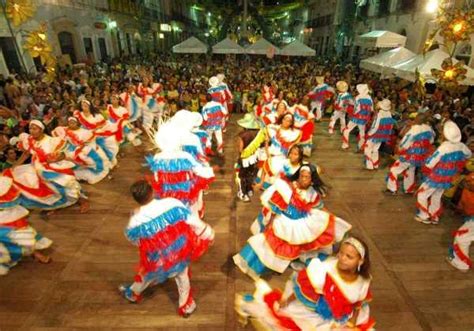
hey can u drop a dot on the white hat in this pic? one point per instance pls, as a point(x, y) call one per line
point(14, 141)
point(363, 89)
point(167, 137)
point(213, 81)
point(385, 104)
point(186, 119)
point(451, 132)
point(37, 123)
point(437, 116)
point(220, 77)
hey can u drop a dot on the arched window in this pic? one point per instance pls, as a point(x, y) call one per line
point(66, 43)
point(463, 53)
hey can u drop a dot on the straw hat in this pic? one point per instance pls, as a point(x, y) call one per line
point(320, 79)
point(248, 122)
point(451, 132)
point(342, 86)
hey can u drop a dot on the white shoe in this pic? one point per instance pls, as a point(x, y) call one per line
point(246, 198)
point(297, 266)
point(250, 194)
point(453, 264)
point(3, 270)
point(420, 220)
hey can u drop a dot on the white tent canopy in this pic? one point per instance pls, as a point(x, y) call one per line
point(262, 47)
point(297, 48)
point(424, 64)
point(383, 62)
point(227, 46)
point(190, 45)
point(381, 39)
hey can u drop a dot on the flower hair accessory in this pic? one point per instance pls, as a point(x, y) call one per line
point(357, 245)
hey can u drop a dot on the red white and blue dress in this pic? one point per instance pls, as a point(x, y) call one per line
point(299, 202)
point(59, 176)
point(133, 105)
point(380, 132)
point(167, 237)
point(280, 143)
point(177, 174)
point(27, 188)
point(304, 122)
point(323, 301)
point(105, 138)
point(92, 165)
point(295, 232)
point(149, 102)
point(17, 237)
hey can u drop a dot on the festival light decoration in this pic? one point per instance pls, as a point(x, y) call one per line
point(37, 44)
point(450, 74)
point(19, 11)
point(454, 26)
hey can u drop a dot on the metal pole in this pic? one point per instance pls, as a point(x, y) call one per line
point(17, 48)
point(244, 20)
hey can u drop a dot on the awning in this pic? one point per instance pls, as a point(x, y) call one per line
point(190, 45)
point(297, 48)
point(227, 46)
point(262, 47)
point(381, 39)
point(383, 62)
point(424, 64)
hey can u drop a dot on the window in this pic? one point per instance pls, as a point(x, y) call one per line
point(88, 46)
point(67, 45)
point(384, 7)
point(407, 5)
point(103, 49)
point(463, 53)
point(129, 43)
point(10, 55)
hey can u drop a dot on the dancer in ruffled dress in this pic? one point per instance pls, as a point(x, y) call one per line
point(319, 95)
point(214, 115)
point(344, 104)
point(295, 232)
point(48, 159)
point(301, 195)
point(92, 165)
point(441, 167)
point(359, 118)
point(333, 294)
point(176, 173)
point(380, 132)
point(304, 121)
point(91, 119)
point(168, 239)
point(414, 149)
point(280, 138)
point(17, 237)
point(149, 91)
